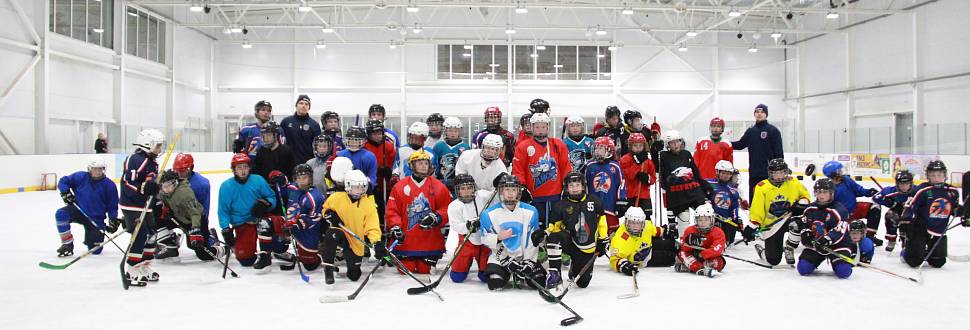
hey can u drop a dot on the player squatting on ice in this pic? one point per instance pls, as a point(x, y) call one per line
point(532, 212)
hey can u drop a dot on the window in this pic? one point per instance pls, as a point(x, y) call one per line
point(528, 62)
point(84, 20)
point(145, 35)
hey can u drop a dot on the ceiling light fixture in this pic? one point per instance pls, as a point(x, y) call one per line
point(691, 33)
point(417, 28)
point(247, 45)
point(321, 44)
point(627, 11)
point(776, 35)
point(328, 30)
point(682, 48)
point(832, 15)
point(413, 8)
point(509, 29)
point(196, 7)
point(521, 9)
point(734, 13)
point(753, 49)
point(97, 30)
point(600, 31)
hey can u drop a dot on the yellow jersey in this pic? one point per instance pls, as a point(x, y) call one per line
point(771, 202)
point(360, 217)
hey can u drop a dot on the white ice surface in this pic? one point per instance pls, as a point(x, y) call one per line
point(191, 295)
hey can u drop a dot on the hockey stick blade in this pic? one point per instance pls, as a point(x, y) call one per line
point(964, 258)
point(628, 295)
point(334, 299)
point(423, 289)
point(570, 321)
point(55, 267)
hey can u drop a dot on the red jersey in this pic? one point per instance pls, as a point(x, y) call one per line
point(541, 168)
point(713, 242)
point(635, 188)
point(707, 153)
point(409, 203)
point(385, 157)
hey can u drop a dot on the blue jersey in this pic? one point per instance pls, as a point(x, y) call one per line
point(892, 198)
point(447, 156)
point(830, 221)
point(236, 199)
point(96, 198)
point(200, 187)
point(305, 205)
point(725, 201)
point(932, 207)
point(139, 167)
point(579, 152)
point(847, 191)
point(251, 138)
point(364, 161)
point(605, 181)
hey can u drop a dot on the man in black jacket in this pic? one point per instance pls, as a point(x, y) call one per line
point(299, 130)
point(763, 141)
point(101, 144)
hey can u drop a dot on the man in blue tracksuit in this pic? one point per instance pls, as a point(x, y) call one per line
point(763, 141)
point(299, 130)
point(89, 196)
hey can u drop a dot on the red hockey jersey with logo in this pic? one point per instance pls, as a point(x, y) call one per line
point(409, 203)
point(541, 167)
point(707, 153)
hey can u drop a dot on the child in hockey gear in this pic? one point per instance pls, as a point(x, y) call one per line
point(613, 128)
point(776, 199)
point(243, 200)
point(846, 192)
point(639, 173)
point(434, 121)
point(417, 216)
point(385, 152)
point(822, 230)
point(680, 180)
point(605, 180)
point(726, 200)
point(330, 121)
point(303, 216)
point(857, 232)
point(468, 207)
point(447, 151)
point(183, 211)
point(541, 162)
point(298, 132)
point(926, 217)
point(363, 160)
point(483, 165)
point(539, 105)
point(137, 185)
point(511, 230)
point(89, 196)
point(632, 244)
point(703, 246)
point(493, 125)
point(250, 137)
point(632, 124)
point(525, 128)
point(417, 136)
point(711, 150)
point(356, 212)
point(323, 156)
point(894, 198)
point(578, 227)
point(184, 165)
point(378, 113)
point(579, 144)
point(273, 157)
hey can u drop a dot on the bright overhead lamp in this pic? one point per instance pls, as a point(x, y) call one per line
point(133, 14)
point(614, 47)
point(776, 35)
point(328, 30)
point(509, 29)
point(413, 8)
point(392, 46)
point(557, 66)
point(540, 47)
point(832, 15)
point(691, 33)
point(466, 54)
point(321, 45)
point(600, 31)
point(682, 48)
point(521, 9)
point(226, 31)
point(753, 49)
point(235, 29)
point(601, 55)
point(304, 9)
point(533, 55)
point(627, 11)
point(734, 13)
point(467, 46)
point(417, 28)
point(247, 45)
point(97, 30)
point(196, 7)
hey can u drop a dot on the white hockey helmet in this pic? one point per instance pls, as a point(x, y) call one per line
point(339, 168)
point(356, 179)
point(672, 135)
point(493, 140)
point(724, 165)
point(148, 139)
point(704, 210)
point(539, 117)
point(452, 122)
point(96, 162)
point(575, 120)
point(634, 220)
point(704, 213)
point(418, 128)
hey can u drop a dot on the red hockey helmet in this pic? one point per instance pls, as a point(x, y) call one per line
point(717, 121)
point(239, 158)
point(184, 162)
point(603, 141)
point(636, 138)
point(493, 112)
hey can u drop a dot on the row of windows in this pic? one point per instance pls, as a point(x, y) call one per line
point(528, 62)
point(91, 21)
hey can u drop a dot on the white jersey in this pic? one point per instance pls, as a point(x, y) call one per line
point(522, 221)
point(470, 162)
point(430, 141)
point(459, 213)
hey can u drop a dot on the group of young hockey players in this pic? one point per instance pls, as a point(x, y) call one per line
point(530, 210)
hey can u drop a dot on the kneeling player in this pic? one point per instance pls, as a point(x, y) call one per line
point(89, 195)
point(303, 216)
point(822, 230)
point(926, 218)
point(354, 210)
point(243, 200)
point(578, 227)
point(417, 216)
point(631, 244)
point(186, 213)
point(468, 207)
point(895, 197)
point(703, 246)
point(511, 229)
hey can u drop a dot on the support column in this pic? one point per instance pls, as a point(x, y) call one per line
point(118, 83)
point(41, 78)
point(210, 96)
point(919, 117)
point(170, 87)
point(403, 131)
point(849, 97)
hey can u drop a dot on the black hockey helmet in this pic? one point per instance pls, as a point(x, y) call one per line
point(356, 132)
point(777, 164)
point(302, 169)
point(435, 118)
point(322, 138)
point(857, 226)
point(538, 105)
point(169, 176)
point(612, 111)
point(464, 179)
point(570, 177)
point(262, 103)
point(270, 127)
point(328, 115)
point(374, 126)
point(525, 119)
point(630, 114)
point(376, 108)
point(904, 176)
point(935, 165)
point(824, 184)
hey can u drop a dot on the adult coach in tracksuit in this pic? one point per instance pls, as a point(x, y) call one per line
point(763, 141)
point(299, 130)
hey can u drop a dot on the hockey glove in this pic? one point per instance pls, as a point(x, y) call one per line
point(823, 243)
point(538, 236)
point(113, 225)
point(601, 246)
point(237, 146)
point(748, 233)
point(627, 267)
point(644, 178)
point(68, 197)
point(745, 204)
point(670, 231)
point(397, 234)
point(229, 237)
point(277, 178)
point(260, 207)
point(299, 223)
point(429, 221)
point(798, 208)
point(966, 222)
point(871, 192)
point(693, 240)
point(149, 188)
point(904, 227)
point(473, 225)
point(195, 239)
point(641, 157)
point(380, 251)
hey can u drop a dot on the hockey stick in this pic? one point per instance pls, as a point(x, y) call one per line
point(352, 296)
point(636, 289)
point(867, 265)
point(919, 270)
point(425, 289)
point(732, 257)
point(78, 258)
point(876, 182)
point(296, 250)
point(141, 218)
point(543, 293)
point(572, 282)
point(225, 266)
point(394, 260)
point(85, 214)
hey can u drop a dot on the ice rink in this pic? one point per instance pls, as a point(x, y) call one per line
point(192, 295)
